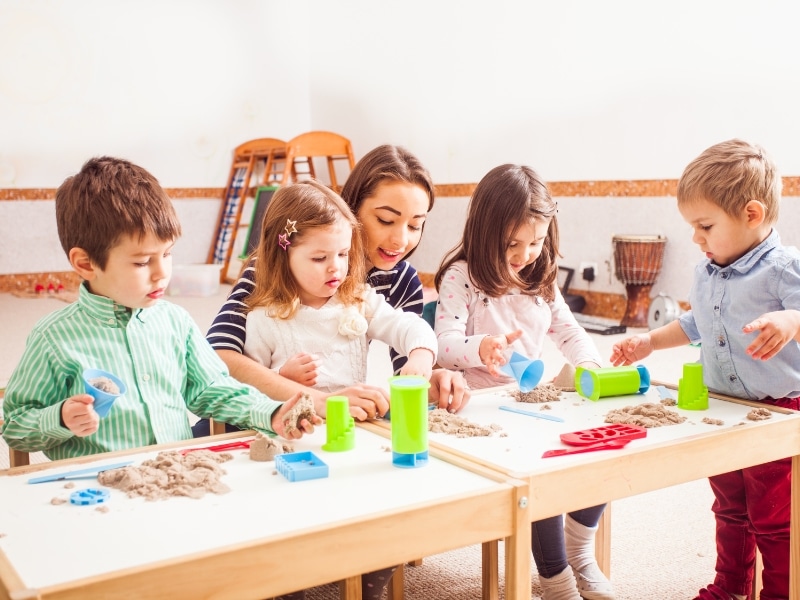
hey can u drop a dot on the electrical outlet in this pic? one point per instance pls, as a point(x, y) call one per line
point(588, 271)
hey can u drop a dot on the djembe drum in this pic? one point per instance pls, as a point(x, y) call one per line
point(637, 260)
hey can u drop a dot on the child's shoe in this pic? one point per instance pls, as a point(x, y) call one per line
point(714, 592)
point(560, 587)
point(591, 581)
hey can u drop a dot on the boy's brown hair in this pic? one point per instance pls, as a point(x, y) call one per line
point(110, 198)
point(731, 174)
point(309, 205)
point(507, 197)
point(386, 163)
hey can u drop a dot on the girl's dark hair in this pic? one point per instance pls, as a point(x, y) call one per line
point(507, 197)
point(385, 163)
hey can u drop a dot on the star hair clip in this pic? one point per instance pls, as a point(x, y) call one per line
point(283, 238)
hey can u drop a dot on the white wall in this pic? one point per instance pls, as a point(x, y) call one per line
point(587, 227)
point(578, 89)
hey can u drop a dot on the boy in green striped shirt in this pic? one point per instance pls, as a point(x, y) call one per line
point(118, 227)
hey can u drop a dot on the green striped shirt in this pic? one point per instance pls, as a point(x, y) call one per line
point(160, 354)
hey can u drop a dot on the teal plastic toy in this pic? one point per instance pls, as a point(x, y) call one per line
point(408, 403)
point(340, 426)
point(692, 394)
point(103, 399)
point(612, 381)
point(527, 372)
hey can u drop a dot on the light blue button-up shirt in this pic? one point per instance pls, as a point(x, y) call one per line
point(724, 300)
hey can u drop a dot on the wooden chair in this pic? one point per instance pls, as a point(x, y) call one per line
point(17, 458)
point(302, 149)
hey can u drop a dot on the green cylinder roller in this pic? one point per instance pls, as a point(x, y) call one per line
point(340, 426)
point(692, 394)
point(612, 381)
point(408, 403)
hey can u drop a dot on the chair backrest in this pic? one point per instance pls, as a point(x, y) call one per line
point(302, 149)
point(271, 151)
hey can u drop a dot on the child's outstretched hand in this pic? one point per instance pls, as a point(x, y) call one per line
point(303, 426)
point(420, 362)
point(776, 330)
point(79, 416)
point(493, 350)
point(301, 368)
point(631, 349)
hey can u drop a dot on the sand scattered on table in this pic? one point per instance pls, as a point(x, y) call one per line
point(102, 509)
point(264, 448)
point(171, 474)
point(668, 402)
point(710, 421)
point(304, 409)
point(759, 414)
point(441, 421)
point(69, 485)
point(104, 384)
point(565, 380)
point(538, 395)
point(56, 501)
point(649, 414)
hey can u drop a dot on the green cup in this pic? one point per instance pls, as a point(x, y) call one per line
point(692, 394)
point(408, 403)
point(612, 381)
point(340, 426)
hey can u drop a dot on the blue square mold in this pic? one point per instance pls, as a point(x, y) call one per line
point(299, 466)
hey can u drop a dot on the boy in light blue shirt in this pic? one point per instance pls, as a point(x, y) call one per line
point(746, 312)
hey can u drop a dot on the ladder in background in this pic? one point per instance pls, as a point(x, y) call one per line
point(264, 157)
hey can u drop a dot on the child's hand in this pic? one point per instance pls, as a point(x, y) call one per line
point(449, 390)
point(304, 426)
point(301, 368)
point(78, 415)
point(493, 350)
point(631, 349)
point(420, 362)
point(776, 330)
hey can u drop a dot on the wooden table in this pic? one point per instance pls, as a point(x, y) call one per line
point(268, 536)
point(667, 456)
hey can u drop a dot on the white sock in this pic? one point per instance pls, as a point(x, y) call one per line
point(560, 587)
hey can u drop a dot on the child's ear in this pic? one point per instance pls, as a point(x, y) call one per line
point(755, 213)
point(83, 265)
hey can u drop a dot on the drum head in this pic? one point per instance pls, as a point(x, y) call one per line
point(663, 310)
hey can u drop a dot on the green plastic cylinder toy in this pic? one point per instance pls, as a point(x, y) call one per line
point(692, 394)
point(408, 403)
point(340, 426)
point(612, 381)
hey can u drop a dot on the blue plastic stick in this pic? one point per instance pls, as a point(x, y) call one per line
point(90, 472)
point(532, 414)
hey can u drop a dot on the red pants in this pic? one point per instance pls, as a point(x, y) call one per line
point(752, 509)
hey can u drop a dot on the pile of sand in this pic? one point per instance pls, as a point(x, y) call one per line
point(170, 474)
point(264, 448)
point(649, 414)
point(759, 414)
point(441, 421)
point(538, 395)
point(304, 409)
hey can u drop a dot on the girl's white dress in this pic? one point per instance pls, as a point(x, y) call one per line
point(338, 335)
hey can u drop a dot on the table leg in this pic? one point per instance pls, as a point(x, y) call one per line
point(350, 588)
point(602, 542)
point(490, 575)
